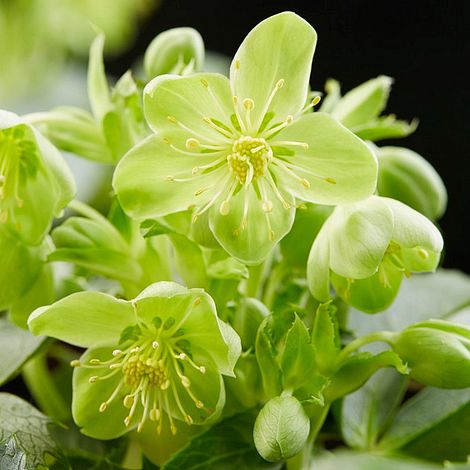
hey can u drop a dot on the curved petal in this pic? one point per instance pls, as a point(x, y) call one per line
point(413, 229)
point(171, 99)
point(147, 179)
point(87, 398)
point(83, 319)
point(318, 265)
point(279, 48)
point(359, 236)
point(247, 232)
point(338, 166)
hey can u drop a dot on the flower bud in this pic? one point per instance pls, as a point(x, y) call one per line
point(281, 429)
point(408, 177)
point(437, 352)
point(179, 51)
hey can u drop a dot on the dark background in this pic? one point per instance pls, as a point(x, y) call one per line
point(424, 45)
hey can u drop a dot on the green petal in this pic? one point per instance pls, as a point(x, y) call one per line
point(190, 311)
point(87, 398)
point(188, 100)
point(252, 242)
point(412, 229)
point(21, 265)
point(359, 235)
point(370, 295)
point(279, 48)
point(318, 265)
point(83, 319)
point(338, 166)
point(142, 178)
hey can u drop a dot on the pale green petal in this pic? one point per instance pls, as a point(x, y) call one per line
point(87, 398)
point(252, 241)
point(279, 48)
point(363, 103)
point(338, 166)
point(189, 100)
point(143, 178)
point(318, 265)
point(84, 319)
point(189, 313)
point(412, 229)
point(98, 88)
point(359, 236)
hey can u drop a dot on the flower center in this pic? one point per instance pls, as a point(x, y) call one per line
point(139, 368)
point(249, 158)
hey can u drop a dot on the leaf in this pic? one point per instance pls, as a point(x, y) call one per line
point(444, 294)
point(325, 337)
point(17, 346)
point(298, 358)
point(226, 446)
point(435, 420)
point(366, 412)
point(25, 439)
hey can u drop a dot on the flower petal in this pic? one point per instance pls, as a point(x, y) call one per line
point(143, 178)
point(171, 99)
point(359, 235)
point(279, 48)
point(83, 319)
point(251, 238)
point(338, 166)
point(87, 398)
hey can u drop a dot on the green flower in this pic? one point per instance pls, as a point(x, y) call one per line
point(366, 248)
point(244, 150)
point(35, 183)
point(151, 362)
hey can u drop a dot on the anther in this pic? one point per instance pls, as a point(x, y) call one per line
point(173, 429)
point(117, 352)
point(128, 401)
point(172, 119)
point(140, 426)
point(205, 82)
point(316, 100)
point(330, 180)
point(267, 206)
point(127, 421)
point(75, 363)
point(248, 103)
point(280, 83)
point(103, 407)
point(305, 183)
point(135, 350)
point(199, 191)
point(202, 369)
point(93, 379)
point(185, 381)
point(423, 253)
point(181, 356)
point(94, 361)
point(154, 414)
point(115, 366)
point(224, 208)
point(165, 385)
point(155, 344)
point(188, 419)
point(237, 64)
point(170, 178)
point(192, 143)
point(199, 404)
point(197, 301)
point(271, 235)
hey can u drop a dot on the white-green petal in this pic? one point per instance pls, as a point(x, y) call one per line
point(84, 319)
point(338, 166)
point(171, 99)
point(279, 48)
point(250, 239)
point(145, 180)
point(359, 235)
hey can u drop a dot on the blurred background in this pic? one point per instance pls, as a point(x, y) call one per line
point(423, 44)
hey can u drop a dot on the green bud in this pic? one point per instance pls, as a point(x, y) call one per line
point(437, 352)
point(281, 429)
point(408, 177)
point(179, 51)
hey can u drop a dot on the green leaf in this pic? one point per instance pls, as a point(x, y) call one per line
point(228, 268)
point(247, 317)
point(298, 358)
point(226, 446)
point(281, 429)
point(25, 438)
point(366, 412)
point(385, 127)
point(98, 88)
point(17, 346)
point(325, 338)
point(434, 420)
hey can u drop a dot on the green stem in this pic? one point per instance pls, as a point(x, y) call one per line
point(43, 389)
point(275, 278)
point(85, 210)
point(383, 336)
point(303, 459)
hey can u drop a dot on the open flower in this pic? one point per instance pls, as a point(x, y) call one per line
point(367, 247)
point(153, 361)
point(245, 149)
point(35, 183)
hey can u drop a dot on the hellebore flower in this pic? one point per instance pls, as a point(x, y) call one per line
point(151, 362)
point(365, 248)
point(245, 149)
point(35, 182)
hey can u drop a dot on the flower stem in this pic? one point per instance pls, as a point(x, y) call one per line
point(383, 336)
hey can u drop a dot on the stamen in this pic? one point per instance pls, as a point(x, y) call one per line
point(275, 129)
point(277, 87)
point(224, 208)
point(276, 143)
point(236, 106)
point(218, 128)
point(284, 203)
point(196, 134)
point(301, 180)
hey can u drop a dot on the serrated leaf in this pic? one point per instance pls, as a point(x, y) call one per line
point(25, 438)
point(226, 446)
point(17, 346)
point(325, 337)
